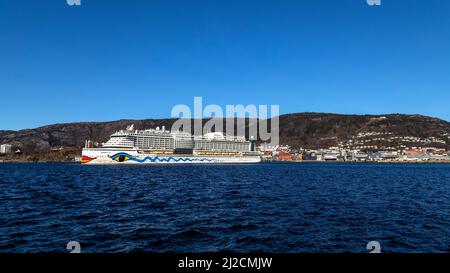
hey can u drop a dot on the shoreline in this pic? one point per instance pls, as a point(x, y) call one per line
point(381, 162)
point(274, 161)
point(337, 161)
point(24, 161)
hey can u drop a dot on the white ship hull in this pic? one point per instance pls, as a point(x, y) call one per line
point(131, 156)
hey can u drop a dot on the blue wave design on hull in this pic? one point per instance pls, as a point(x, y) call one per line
point(158, 159)
point(170, 159)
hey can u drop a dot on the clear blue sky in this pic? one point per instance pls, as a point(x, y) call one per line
point(116, 59)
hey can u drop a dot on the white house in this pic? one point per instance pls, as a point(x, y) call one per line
point(5, 148)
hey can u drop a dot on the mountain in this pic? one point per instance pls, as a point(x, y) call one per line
point(318, 130)
point(306, 130)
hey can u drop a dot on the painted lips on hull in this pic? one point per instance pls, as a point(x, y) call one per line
point(87, 159)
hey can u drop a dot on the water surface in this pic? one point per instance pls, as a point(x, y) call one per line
point(294, 207)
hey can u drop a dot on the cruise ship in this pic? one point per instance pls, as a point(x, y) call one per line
point(156, 146)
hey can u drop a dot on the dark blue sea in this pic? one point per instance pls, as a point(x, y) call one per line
point(293, 207)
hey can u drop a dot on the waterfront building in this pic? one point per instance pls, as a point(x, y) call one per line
point(356, 156)
point(331, 155)
point(5, 148)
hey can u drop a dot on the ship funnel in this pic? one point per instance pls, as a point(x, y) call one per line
point(252, 144)
point(130, 128)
